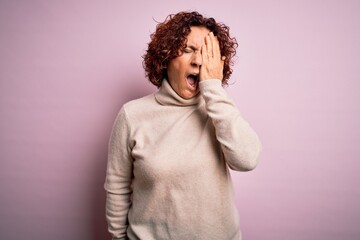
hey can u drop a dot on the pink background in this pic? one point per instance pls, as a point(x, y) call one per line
point(67, 67)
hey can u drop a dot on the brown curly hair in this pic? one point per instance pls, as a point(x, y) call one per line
point(169, 42)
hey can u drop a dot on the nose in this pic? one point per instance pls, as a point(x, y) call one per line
point(196, 60)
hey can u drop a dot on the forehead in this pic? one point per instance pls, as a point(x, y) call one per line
point(197, 36)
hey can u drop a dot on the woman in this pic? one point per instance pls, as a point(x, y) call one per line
point(169, 152)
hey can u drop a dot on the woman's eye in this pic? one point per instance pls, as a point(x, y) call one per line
point(187, 50)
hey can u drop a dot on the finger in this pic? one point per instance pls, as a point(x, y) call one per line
point(216, 46)
point(209, 47)
point(204, 54)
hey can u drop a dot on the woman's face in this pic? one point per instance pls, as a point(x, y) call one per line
point(183, 71)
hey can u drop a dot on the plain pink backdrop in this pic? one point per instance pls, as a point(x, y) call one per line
point(66, 68)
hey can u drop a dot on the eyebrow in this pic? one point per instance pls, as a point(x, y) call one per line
point(192, 47)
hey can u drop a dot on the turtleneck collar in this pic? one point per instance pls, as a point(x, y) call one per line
point(167, 96)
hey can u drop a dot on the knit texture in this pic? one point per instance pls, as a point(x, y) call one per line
point(167, 173)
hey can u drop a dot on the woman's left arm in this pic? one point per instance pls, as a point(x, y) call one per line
point(239, 143)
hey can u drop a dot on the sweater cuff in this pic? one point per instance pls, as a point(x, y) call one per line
point(203, 85)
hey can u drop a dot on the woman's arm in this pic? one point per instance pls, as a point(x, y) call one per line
point(239, 143)
point(118, 178)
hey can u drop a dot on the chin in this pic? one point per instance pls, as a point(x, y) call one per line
point(189, 95)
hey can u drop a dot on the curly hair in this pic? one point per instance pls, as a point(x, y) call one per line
point(169, 42)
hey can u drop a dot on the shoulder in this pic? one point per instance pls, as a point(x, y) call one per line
point(137, 109)
point(140, 104)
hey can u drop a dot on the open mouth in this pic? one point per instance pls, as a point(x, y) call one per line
point(193, 80)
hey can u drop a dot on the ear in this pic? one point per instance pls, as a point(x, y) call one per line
point(165, 54)
point(164, 64)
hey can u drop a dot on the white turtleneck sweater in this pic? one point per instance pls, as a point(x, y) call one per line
point(167, 173)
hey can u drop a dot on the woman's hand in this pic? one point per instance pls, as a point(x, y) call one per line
point(212, 61)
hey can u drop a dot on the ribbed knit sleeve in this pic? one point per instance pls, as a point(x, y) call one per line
point(240, 144)
point(118, 178)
